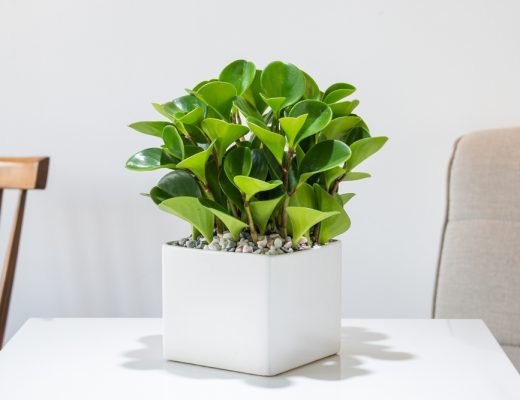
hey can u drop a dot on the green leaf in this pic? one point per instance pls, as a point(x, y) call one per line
point(343, 108)
point(153, 128)
point(364, 148)
point(149, 160)
point(219, 96)
point(273, 141)
point(238, 161)
point(262, 210)
point(330, 227)
point(356, 176)
point(247, 109)
point(259, 169)
point(223, 133)
point(234, 225)
point(173, 141)
point(323, 156)
point(337, 92)
point(357, 133)
point(345, 197)
point(240, 74)
point(230, 190)
point(190, 210)
point(197, 163)
point(252, 94)
point(251, 186)
point(303, 197)
point(331, 175)
point(276, 103)
point(186, 109)
point(302, 219)
point(175, 184)
point(291, 126)
point(318, 113)
point(282, 80)
point(312, 91)
point(340, 127)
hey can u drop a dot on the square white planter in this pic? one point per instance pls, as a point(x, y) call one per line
point(251, 313)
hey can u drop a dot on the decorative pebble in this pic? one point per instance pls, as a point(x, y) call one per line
point(278, 242)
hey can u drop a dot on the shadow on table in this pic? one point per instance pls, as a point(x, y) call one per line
point(356, 344)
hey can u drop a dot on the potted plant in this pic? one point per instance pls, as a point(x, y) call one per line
point(255, 162)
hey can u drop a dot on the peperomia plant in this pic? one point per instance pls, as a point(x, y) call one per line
point(264, 151)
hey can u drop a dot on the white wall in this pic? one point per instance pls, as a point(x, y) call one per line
point(74, 73)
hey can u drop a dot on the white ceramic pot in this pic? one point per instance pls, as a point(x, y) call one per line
point(251, 313)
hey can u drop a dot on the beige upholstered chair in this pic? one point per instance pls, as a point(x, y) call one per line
point(479, 263)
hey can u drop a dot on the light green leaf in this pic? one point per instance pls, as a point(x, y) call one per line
point(318, 117)
point(149, 160)
point(186, 109)
point(219, 96)
point(234, 225)
point(331, 175)
point(330, 227)
point(190, 210)
point(323, 156)
point(262, 210)
point(153, 128)
point(223, 133)
point(252, 94)
point(273, 141)
point(175, 184)
point(282, 80)
point(340, 127)
point(239, 73)
point(343, 108)
point(364, 148)
point(337, 92)
point(345, 197)
point(312, 91)
point(238, 161)
point(303, 197)
point(356, 176)
point(291, 126)
point(302, 219)
point(251, 186)
point(247, 109)
point(173, 141)
point(276, 103)
point(197, 163)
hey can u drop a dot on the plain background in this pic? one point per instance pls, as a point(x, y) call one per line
point(73, 74)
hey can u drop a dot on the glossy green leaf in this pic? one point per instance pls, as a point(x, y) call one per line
point(340, 127)
point(356, 176)
point(323, 156)
point(337, 92)
point(330, 176)
point(234, 225)
point(276, 103)
point(251, 186)
point(230, 190)
point(282, 80)
point(303, 197)
point(345, 197)
point(332, 226)
point(173, 141)
point(240, 74)
point(197, 163)
point(252, 94)
point(262, 210)
point(343, 108)
point(357, 133)
point(174, 184)
point(219, 96)
point(273, 141)
point(302, 219)
point(223, 133)
point(318, 113)
point(364, 148)
point(246, 108)
point(259, 169)
point(186, 109)
point(238, 161)
point(149, 160)
point(291, 127)
point(190, 210)
point(153, 128)
point(312, 91)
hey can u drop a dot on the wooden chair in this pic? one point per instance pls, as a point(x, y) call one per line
point(22, 174)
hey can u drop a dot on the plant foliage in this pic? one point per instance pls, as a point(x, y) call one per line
point(263, 150)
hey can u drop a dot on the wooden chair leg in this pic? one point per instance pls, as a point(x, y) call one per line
point(7, 279)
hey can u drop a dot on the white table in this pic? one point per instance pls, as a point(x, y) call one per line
point(380, 359)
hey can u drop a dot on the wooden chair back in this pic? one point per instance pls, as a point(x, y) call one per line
point(21, 174)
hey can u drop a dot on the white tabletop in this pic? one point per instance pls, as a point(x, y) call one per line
point(380, 359)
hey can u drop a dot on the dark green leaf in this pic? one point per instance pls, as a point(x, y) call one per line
point(282, 80)
point(323, 156)
point(318, 117)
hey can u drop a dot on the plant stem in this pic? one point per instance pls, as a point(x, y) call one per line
point(286, 168)
point(254, 235)
point(285, 217)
